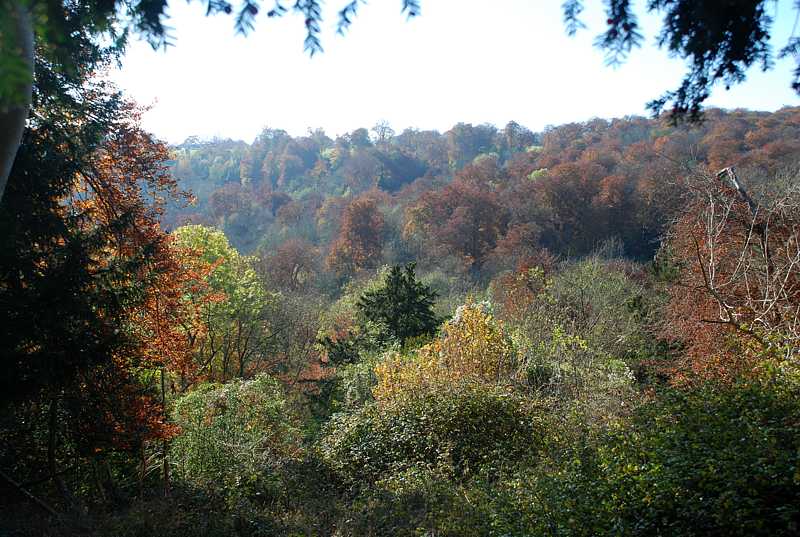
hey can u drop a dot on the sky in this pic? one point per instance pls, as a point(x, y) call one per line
point(472, 61)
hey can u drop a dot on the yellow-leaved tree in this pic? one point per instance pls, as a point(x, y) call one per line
point(473, 348)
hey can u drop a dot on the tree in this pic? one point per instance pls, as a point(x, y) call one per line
point(570, 222)
point(429, 147)
point(15, 93)
point(360, 239)
point(82, 262)
point(404, 306)
point(397, 170)
point(361, 170)
point(465, 142)
point(515, 138)
point(383, 133)
point(461, 219)
point(292, 266)
point(737, 300)
point(236, 334)
point(720, 39)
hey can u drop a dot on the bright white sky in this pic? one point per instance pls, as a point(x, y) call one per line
point(476, 61)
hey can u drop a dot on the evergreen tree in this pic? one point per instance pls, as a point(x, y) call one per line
point(403, 305)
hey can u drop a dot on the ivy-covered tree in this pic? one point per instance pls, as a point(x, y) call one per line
point(404, 305)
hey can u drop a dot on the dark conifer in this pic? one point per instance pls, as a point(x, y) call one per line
point(404, 305)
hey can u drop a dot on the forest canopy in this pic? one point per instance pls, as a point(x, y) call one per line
point(718, 40)
point(593, 329)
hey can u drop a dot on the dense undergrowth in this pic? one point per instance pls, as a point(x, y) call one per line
point(717, 460)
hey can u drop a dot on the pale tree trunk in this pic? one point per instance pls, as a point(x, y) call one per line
point(12, 117)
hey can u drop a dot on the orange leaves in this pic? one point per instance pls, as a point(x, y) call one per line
point(170, 318)
point(360, 239)
point(738, 297)
point(125, 190)
point(117, 199)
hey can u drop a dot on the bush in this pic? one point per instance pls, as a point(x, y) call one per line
point(473, 347)
point(715, 461)
point(462, 429)
point(234, 436)
point(417, 502)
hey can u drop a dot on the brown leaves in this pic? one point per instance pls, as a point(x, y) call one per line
point(737, 301)
point(462, 219)
point(360, 239)
point(292, 266)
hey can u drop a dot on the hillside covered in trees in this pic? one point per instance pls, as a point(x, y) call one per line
point(592, 330)
point(476, 199)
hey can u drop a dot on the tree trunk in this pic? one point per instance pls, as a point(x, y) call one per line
point(13, 115)
point(164, 443)
point(28, 495)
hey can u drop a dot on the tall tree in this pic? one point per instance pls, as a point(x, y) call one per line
point(404, 305)
point(461, 220)
point(82, 258)
point(360, 239)
point(236, 328)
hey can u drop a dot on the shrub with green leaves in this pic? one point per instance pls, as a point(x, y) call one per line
point(418, 502)
point(711, 461)
point(464, 429)
point(234, 435)
point(722, 461)
point(581, 332)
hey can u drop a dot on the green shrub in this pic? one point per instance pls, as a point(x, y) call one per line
point(465, 429)
point(355, 382)
point(714, 461)
point(235, 435)
point(417, 502)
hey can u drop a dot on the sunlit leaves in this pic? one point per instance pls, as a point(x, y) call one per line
point(473, 347)
point(235, 323)
point(234, 434)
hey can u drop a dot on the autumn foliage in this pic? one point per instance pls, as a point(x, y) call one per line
point(360, 240)
point(473, 348)
point(121, 196)
point(459, 334)
point(737, 298)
